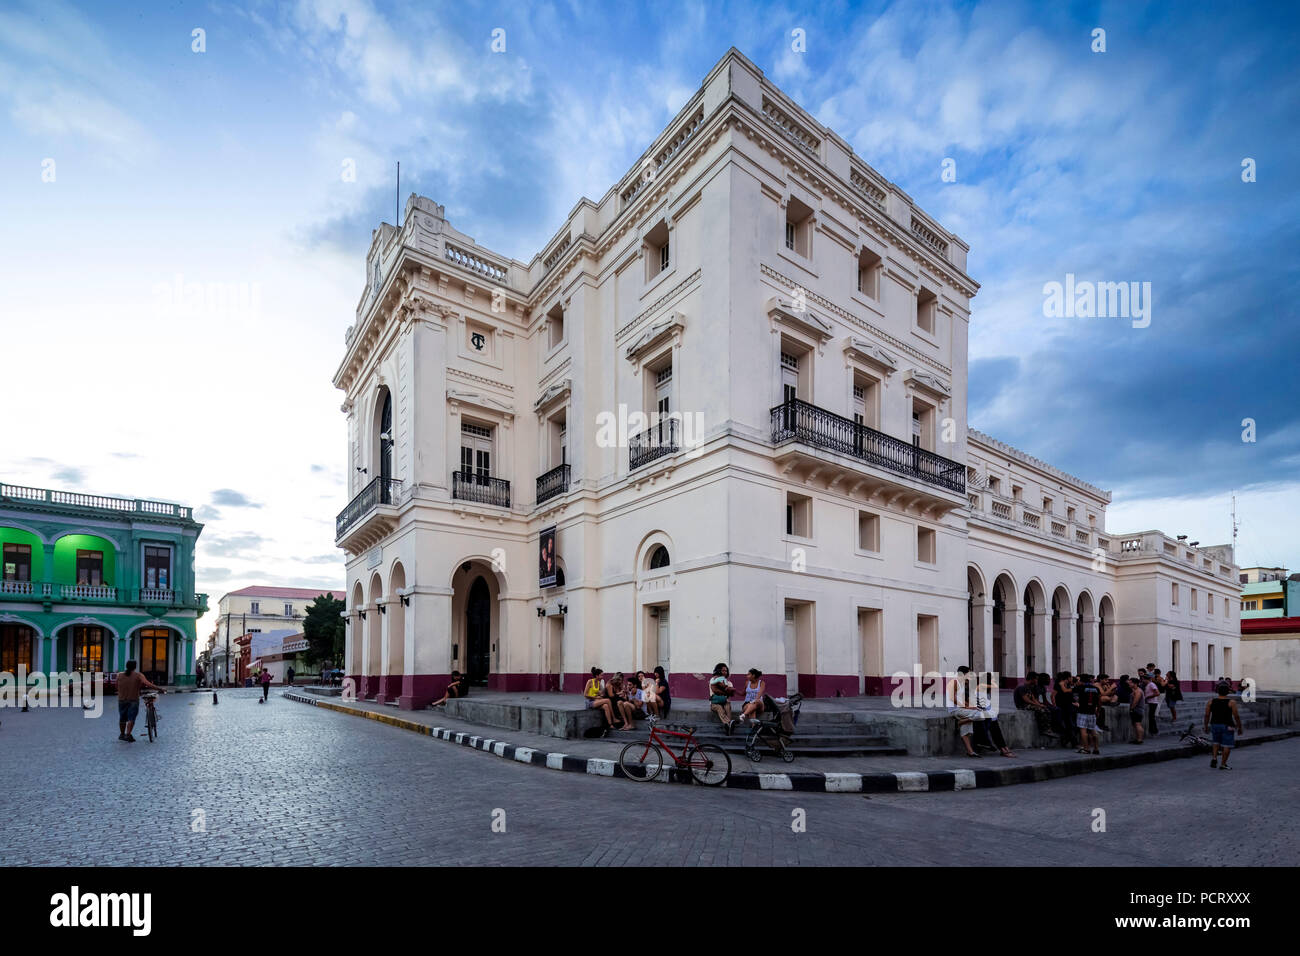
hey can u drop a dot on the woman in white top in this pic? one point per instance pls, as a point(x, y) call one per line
point(755, 688)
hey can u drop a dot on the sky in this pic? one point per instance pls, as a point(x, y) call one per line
point(183, 249)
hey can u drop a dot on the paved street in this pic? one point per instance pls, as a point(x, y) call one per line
point(290, 784)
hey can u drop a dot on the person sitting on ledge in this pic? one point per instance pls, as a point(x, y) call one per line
point(720, 691)
point(455, 689)
point(594, 694)
point(616, 694)
point(962, 708)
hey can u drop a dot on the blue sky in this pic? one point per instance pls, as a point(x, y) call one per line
point(223, 167)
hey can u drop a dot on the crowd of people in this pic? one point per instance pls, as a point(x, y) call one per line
point(622, 700)
point(1071, 708)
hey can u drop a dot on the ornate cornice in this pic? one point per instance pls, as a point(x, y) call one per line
point(870, 353)
point(1011, 451)
point(650, 309)
point(657, 332)
point(781, 309)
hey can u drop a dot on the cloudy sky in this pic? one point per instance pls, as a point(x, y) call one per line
point(134, 167)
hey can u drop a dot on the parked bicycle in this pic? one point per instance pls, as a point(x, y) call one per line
point(707, 763)
point(1199, 742)
point(150, 715)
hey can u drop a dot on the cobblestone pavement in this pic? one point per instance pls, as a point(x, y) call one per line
point(287, 784)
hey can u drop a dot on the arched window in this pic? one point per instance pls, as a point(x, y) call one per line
point(559, 577)
point(659, 558)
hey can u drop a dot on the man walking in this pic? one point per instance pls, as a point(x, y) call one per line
point(266, 683)
point(1220, 713)
point(1087, 701)
point(129, 684)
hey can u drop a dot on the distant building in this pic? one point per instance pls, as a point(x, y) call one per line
point(90, 582)
point(256, 610)
point(1270, 652)
point(1269, 593)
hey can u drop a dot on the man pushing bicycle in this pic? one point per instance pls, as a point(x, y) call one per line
point(129, 685)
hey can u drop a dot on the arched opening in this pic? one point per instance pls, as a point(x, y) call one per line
point(478, 632)
point(1105, 625)
point(85, 566)
point(385, 448)
point(1031, 661)
point(659, 558)
point(1062, 648)
point(1000, 629)
point(89, 648)
point(356, 630)
point(394, 665)
point(374, 639)
point(18, 546)
point(976, 602)
point(1086, 639)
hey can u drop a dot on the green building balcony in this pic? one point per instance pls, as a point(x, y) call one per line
point(46, 592)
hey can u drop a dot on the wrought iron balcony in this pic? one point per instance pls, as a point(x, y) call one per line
point(481, 489)
point(662, 438)
point(804, 422)
point(381, 491)
point(554, 482)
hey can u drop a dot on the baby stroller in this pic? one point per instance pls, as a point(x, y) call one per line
point(774, 727)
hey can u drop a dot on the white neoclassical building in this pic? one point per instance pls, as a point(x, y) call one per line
point(721, 416)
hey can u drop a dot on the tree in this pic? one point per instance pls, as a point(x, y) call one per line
point(323, 628)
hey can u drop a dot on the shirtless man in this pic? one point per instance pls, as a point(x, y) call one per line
point(129, 685)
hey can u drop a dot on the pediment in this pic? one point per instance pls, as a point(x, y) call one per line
point(870, 353)
point(655, 333)
point(782, 309)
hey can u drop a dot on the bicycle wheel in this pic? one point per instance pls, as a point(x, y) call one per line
point(641, 761)
point(709, 764)
point(151, 724)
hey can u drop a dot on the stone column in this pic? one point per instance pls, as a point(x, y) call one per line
point(1069, 648)
point(981, 619)
point(427, 660)
point(1043, 640)
point(1013, 638)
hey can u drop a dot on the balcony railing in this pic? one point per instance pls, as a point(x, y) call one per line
point(22, 493)
point(554, 482)
point(480, 489)
point(807, 423)
point(98, 594)
point(381, 491)
point(660, 439)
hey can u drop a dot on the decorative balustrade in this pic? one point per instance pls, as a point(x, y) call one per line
point(809, 424)
point(554, 256)
point(554, 482)
point(157, 595)
point(867, 189)
point(1080, 536)
point(1058, 529)
point(790, 129)
point(21, 588)
point(87, 592)
point(381, 491)
point(1002, 509)
point(647, 173)
point(974, 502)
point(660, 439)
point(929, 237)
point(480, 489)
point(1130, 544)
point(1030, 519)
point(474, 262)
point(72, 499)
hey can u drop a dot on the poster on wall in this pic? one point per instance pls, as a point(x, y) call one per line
point(546, 558)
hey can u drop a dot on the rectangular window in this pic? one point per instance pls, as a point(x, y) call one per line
point(1209, 604)
point(798, 228)
point(476, 452)
point(1193, 599)
point(1173, 595)
point(869, 268)
point(288, 610)
point(157, 567)
point(927, 305)
point(658, 250)
point(255, 607)
point(798, 515)
point(868, 531)
point(1196, 661)
point(789, 236)
point(90, 568)
point(555, 327)
point(18, 562)
point(925, 546)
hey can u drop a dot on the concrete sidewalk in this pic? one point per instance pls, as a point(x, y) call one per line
point(830, 774)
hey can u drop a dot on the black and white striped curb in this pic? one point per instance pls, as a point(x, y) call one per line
point(896, 782)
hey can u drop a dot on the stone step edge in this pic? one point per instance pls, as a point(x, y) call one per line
point(902, 781)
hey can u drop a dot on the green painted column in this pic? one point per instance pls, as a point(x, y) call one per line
point(48, 574)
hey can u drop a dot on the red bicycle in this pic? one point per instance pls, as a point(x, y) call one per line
point(709, 764)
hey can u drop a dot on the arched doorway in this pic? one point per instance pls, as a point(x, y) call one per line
point(1062, 646)
point(478, 632)
point(395, 654)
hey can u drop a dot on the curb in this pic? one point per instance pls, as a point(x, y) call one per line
point(914, 781)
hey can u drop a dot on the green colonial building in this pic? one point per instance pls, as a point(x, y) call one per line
point(90, 582)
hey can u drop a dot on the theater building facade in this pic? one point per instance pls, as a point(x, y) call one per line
point(720, 416)
point(92, 581)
